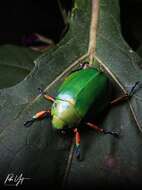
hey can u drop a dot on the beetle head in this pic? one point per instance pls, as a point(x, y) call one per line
point(63, 114)
point(57, 123)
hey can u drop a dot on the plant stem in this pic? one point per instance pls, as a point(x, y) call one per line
point(93, 30)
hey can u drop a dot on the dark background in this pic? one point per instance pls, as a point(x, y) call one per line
point(131, 22)
point(21, 18)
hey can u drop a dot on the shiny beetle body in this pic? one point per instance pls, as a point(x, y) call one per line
point(76, 95)
point(80, 90)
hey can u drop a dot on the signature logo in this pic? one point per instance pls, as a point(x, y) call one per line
point(14, 180)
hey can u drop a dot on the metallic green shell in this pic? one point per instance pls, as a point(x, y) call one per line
point(77, 94)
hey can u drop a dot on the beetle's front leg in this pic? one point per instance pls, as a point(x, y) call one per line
point(38, 116)
point(77, 143)
point(49, 98)
point(98, 129)
point(83, 65)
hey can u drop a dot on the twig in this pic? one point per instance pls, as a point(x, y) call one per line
point(44, 39)
point(93, 30)
point(69, 162)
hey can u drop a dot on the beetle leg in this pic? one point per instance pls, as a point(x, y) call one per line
point(119, 99)
point(83, 65)
point(77, 143)
point(49, 98)
point(38, 116)
point(98, 129)
point(125, 96)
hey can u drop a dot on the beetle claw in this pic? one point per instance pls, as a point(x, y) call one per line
point(29, 123)
point(77, 152)
point(114, 133)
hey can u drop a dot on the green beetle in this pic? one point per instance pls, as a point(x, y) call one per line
point(76, 95)
point(81, 89)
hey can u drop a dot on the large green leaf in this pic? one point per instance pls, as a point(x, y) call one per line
point(108, 161)
point(41, 154)
point(38, 152)
point(15, 64)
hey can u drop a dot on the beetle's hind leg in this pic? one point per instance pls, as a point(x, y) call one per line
point(38, 116)
point(119, 99)
point(125, 96)
point(104, 131)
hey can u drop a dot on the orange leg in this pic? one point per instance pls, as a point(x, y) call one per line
point(98, 129)
point(119, 99)
point(49, 98)
point(125, 96)
point(77, 143)
point(38, 116)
